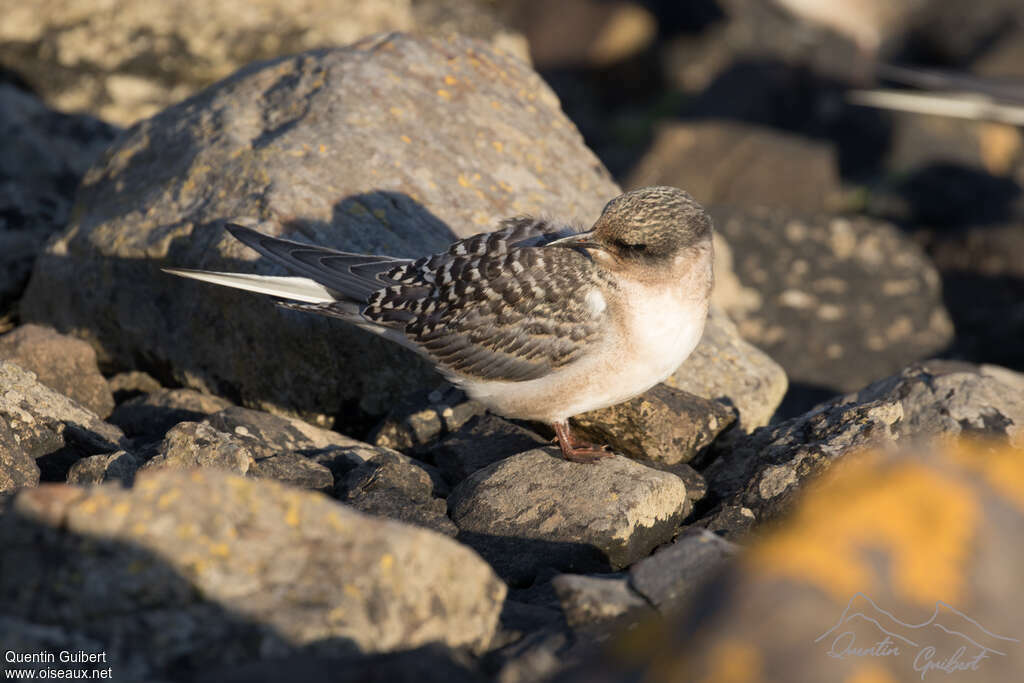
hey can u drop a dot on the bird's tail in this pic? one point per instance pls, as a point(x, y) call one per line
point(293, 288)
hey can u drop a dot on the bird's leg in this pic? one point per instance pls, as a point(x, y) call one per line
point(578, 451)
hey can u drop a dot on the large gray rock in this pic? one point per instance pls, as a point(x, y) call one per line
point(537, 510)
point(843, 302)
point(194, 568)
point(763, 471)
point(419, 140)
point(128, 61)
point(44, 154)
point(60, 362)
point(50, 427)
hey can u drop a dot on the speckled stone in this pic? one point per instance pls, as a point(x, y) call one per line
point(763, 471)
point(839, 301)
point(537, 510)
point(191, 568)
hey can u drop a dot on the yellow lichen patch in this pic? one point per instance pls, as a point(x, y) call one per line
point(220, 549)
point(733, 661)
point(870, 672)
point(444, 94)
point(322, 148)
point(291, 515)
point(396, 111)
point(463, 180)
point(921, 519)
point(351, 591)
point(1001, 466)
point(387, 561)
point(406, 139)
point(449, 80)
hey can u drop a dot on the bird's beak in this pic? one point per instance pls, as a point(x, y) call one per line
point(581, 240)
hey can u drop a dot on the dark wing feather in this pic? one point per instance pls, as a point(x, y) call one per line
point(511, 316)
point(354, 276)
point(495, 306)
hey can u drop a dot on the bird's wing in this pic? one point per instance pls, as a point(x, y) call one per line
point(495, 306)
point(514, 315)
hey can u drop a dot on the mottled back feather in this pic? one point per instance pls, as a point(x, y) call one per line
point(495, 306)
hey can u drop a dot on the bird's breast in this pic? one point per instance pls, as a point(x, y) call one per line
point(658, 328)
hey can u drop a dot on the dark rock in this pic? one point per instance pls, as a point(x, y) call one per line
point(737, 164)
point(193, 444)
point(843, 301)
point(293, 469)
point(880, 543)
point(191, 569)
point(982, 267)
point(761, 472)
point(392, 485)
point(126, 385)
point(538, 656)
point(728, 521)
point(51, 428)
point(17, 468)
point(696, 487)
point(268, 433)
point(98, 469)
point(520, 619)
point(590, 599)
point(233, 151)
point(152, 414)
point(422, 419)
point(430, 664)
point(483, 441)
point(671, 577)
point(955, 34)
point(537, 510)
point(45, 152)
point(62, 363)
point(341, 460)
point(665, 426)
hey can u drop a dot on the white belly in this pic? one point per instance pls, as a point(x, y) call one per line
point(654, 335)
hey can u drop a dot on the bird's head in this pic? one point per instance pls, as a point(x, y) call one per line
point(649, 226)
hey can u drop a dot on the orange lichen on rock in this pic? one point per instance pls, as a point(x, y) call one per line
point(922, 520)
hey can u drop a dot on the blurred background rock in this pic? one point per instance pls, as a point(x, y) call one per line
point(744, 103)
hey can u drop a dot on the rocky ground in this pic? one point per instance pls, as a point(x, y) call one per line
point(204, 487)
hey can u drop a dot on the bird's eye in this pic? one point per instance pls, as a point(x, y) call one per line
point(629, 248)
